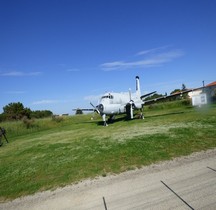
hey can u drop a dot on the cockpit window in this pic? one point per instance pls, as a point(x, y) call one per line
point(107, 96)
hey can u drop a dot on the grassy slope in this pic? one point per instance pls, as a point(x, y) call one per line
point(52, 154)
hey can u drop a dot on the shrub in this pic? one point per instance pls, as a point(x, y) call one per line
point(29, 123)
point(57, 118)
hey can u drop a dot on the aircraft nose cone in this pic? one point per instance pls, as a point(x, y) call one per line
point(100, 107)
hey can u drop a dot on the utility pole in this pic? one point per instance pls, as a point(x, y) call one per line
point(203, 89)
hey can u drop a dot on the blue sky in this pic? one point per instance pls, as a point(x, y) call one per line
point(62, 54)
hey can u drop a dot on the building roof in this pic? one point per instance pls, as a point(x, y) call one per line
point(211, 84)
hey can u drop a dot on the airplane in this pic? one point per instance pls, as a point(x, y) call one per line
point(111, 104)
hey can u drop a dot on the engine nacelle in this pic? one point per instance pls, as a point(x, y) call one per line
point(138, 105)
point(113, 109)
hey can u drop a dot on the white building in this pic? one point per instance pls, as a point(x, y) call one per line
point(201, 96)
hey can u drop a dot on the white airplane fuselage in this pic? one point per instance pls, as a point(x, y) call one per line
point(115, 103)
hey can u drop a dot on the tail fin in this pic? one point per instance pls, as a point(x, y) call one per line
point(138, 92)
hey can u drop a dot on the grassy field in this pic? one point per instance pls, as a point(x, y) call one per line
point(56, 152)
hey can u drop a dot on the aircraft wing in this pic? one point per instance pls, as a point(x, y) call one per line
point(89, 110)
point(85, 110)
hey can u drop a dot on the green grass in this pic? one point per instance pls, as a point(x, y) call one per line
point(53, 153)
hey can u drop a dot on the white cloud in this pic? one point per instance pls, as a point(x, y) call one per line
point(51, 101)
point(92, 97)
point(155, 59)
point(20, 74)
point(153, 50)
point(47, 101)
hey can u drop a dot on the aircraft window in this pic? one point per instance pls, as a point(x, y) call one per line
point(105, 97)
point(109, 96)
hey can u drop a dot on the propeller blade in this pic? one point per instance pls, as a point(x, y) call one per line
point(131, 111)
point(95, 108)
point(92, 105)
point(131, 102)
point(130, 94)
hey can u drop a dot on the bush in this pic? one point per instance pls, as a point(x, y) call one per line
point(186, 102)
point(57, 118)
point(29, 123)
point(2, 117)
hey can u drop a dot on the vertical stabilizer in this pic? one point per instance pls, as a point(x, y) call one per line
point(138, 86)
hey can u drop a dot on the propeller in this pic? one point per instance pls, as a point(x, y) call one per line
point(99, 109)
point(96, 109)
point(131, 104)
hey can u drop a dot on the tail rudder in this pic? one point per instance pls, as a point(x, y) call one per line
point(138, 92)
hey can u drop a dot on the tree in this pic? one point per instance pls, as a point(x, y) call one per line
point(2, 117)
point(183, 87)
point(16, 111)
point(41, 114)
point(175, 91)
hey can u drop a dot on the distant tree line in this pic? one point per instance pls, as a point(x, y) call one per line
point(16, 111)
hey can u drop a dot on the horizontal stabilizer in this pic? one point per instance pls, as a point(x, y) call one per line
point(148, 94)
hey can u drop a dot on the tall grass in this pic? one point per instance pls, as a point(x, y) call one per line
point(22, 127)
